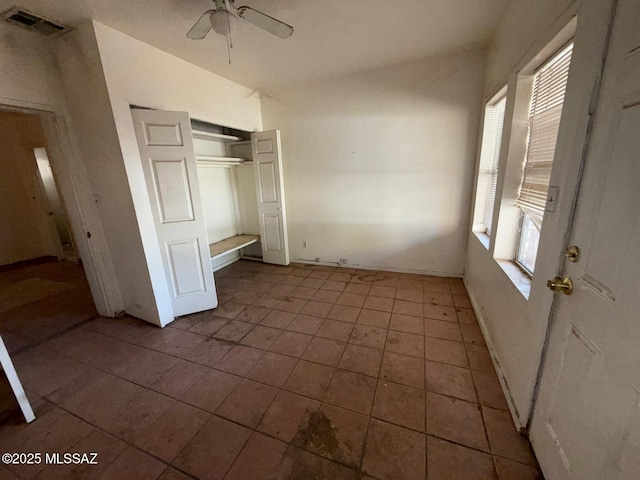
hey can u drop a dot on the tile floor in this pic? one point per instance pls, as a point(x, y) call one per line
point(301, 373)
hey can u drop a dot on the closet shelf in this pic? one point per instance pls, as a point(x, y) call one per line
point(231, 244)
point(208, 159)
point(215, 136)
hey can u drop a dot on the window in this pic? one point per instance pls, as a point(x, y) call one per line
point(489, 161)
point(545, 111)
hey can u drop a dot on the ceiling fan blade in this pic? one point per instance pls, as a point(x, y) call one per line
point(265, 22)
point(201, 27)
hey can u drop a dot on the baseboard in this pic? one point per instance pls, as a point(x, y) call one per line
point(375, 267)
point(496, 362)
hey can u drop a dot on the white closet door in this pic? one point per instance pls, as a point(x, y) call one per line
point(168, 160)
point(267, 165)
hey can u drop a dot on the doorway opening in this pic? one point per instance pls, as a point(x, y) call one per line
point(43, 287)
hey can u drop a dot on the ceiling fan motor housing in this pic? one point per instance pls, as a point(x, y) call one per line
point(223, 22)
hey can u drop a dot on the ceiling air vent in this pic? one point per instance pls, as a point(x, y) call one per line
point(24, 18)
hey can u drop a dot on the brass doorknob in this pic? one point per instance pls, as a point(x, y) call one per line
point(559, 284)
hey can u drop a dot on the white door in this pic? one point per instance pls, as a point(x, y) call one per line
point(267, 166)
point(166, 150)
point(586, 422)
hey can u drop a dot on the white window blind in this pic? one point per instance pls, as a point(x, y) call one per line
point(489, 162)
point(549, 86)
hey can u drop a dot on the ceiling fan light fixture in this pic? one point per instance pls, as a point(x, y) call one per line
point(223, 22)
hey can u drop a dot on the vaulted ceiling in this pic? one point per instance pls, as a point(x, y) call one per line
point(331, 37)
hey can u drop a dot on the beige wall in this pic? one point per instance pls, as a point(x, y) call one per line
point(378, 165)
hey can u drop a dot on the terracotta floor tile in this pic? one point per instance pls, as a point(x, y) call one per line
point(438, 298)
point(407, 323)
point(407, 308)
point(360, 359)
point(479, 358)
point(59, 436)
point(305, 324)
point(402, 369)
point(336, 433)
point(410, 283)
point(168, 435)
point(324, 351)
point(290, 304)
point(449, 380)
point(312, 282)
point(344, 313)
point(239, 360)
point(273, 369)
point(436, 284)
point(466, 316)
point(199, 459)
point(472, 334)
point(106, 446)
point(300, 464)
point(351, 390)
point(351, 299)
point(150, 368)
point(326, 296)
point(333, 285)
point(229, 310)
point(234, 331)
point(448, 461)
point(340, 276)
point(504, 439)
point(394, 453)
point(442, 329)
point(260, 459)
point(278, 319)
point(409, 295)
point(135, 417)
point(374, 318)
point(172, 474)
point(132, 463)
point(261, 337)
point(445, 351)
point(305, 293)
point(456, 420)
point(309, 379)
point(359, 288)
point(316, 309)
point(247, 403)
point(282, 290)
point(268, 300)
point(288, 416)
point(439, 312)
point(291, 343)
point(211, 390)
point(405, 343)
point(253, 314)
point(209, 326)
point(100, 407)
point(247, 297)
point(182, 345)
point(368, 336)
point(210, 352)
point(461, 300)
point(489, 389)
point(158, 337)
point(400, 405)
point(385, 292)
point(382, 304)
point(509, 470)
point(335, 330)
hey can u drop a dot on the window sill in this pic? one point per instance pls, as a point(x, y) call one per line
point(483, 238)
point(519, 279)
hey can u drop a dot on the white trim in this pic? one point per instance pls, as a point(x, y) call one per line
point(14, 381)
point(375, 267)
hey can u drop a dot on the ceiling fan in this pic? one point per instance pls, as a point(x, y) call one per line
point(223, 19)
